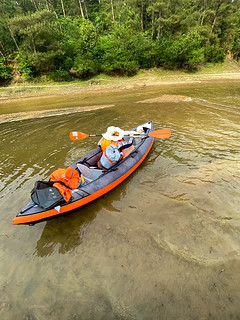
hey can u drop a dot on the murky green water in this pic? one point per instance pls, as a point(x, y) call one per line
point(165, 244)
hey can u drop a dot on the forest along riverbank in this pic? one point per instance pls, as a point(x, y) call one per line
point(62, 40)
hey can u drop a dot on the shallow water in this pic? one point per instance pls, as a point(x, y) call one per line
point(165, 244)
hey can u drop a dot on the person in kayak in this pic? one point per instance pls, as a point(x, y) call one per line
point(115, 136)
point(114, 147)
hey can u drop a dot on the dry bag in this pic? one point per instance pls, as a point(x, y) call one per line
point(70, 180)
point(45, 195)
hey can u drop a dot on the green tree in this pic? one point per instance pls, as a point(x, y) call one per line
point(40, 39)
point(115, 36)
point(236, 45)
point(144, 50)
point(80, 38)
point(116, 56)
point(115, 51)
point(185, 52)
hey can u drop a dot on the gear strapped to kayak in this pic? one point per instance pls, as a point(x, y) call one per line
point(70, 180)
point(47, 194)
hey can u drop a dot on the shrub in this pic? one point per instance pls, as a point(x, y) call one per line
point(60, 75)
point(26, 69)
point(5, 72)
point(214, 54)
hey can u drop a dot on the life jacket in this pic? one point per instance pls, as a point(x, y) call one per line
point(104, 143)
point(109, 157)
point(70, 180)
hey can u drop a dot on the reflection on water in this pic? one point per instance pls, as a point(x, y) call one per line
point(162, 245)
point(56, 238)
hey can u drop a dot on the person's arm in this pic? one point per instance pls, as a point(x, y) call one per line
point(126, 144)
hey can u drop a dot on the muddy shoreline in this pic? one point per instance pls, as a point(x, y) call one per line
point(28, 91)
point(47, 113)
point(20, 102)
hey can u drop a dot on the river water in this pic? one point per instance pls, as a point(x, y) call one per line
point(165, 244)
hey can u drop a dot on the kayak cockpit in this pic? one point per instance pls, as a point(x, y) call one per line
point(89, 173)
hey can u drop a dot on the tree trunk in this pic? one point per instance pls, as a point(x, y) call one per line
point(213, 24)
point(34, 47)
point(35, 5)
point(142, 16)
point(159, 25)
point(113, 17)
point(63, 9)
point(81, 9)
point(215, 13)
point(203, 17)
point(2, 46)
point(59, 24)
point(152, 24)
point(85, 7)
point(47, 5)
point(14, 40)
point(1, 51)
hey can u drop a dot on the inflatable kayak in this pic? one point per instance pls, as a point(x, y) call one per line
point(97, 181)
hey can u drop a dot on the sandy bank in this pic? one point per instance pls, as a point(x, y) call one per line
point(47, 113)
point(143, 80)
point(167, 98)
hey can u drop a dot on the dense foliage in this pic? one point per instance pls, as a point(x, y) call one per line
point(80, 38)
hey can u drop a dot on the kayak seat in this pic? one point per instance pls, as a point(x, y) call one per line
point(93, 160)
point(126, 152)
point(89, 173)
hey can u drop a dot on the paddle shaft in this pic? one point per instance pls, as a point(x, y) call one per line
point(160, 134)
point(95, 135)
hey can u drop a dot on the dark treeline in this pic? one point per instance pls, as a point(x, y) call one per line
point(79, 38)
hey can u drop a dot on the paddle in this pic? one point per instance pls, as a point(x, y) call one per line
point(80, 135)
point(159, 134)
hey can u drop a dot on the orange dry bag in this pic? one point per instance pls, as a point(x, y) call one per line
point(70, 180)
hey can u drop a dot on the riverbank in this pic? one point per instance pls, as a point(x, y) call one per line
point(26, 101)
point(228, 71)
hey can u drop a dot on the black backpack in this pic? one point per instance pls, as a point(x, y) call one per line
point(45, 195)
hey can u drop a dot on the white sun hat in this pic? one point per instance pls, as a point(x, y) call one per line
point(113, 133)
